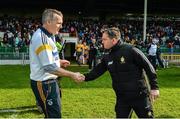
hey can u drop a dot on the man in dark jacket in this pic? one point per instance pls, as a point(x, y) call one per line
point(126, 65)
point(92, 54)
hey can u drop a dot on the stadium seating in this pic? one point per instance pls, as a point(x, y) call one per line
point(4, 49)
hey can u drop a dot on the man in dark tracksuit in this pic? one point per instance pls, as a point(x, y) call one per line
point(126, 64)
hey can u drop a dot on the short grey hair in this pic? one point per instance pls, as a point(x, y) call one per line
point(49, 15)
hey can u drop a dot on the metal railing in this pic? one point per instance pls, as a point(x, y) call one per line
point(23, 58)
point(171, 58)
point(14, 58)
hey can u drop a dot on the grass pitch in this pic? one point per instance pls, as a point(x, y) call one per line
point(94, 99)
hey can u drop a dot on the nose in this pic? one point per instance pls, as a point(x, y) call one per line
point(102, 42)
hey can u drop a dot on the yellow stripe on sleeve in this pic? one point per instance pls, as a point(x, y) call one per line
point(43, 47)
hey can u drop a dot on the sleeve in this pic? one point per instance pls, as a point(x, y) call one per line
point(96, 71)
point(142, 61)
point(43, 50)
point(51, 68)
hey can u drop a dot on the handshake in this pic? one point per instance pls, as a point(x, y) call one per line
point(78, 77)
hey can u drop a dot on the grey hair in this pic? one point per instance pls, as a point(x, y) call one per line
point(49, 15)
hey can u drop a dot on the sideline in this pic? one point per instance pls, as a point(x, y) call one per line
point(18, 109)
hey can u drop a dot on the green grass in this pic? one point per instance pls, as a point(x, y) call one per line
point(94, 99)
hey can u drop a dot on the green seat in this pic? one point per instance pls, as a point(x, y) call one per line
point(24, 49)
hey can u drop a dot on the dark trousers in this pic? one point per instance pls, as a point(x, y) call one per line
point(152, 59)
point(78, 54)
point(48, 96)
point(141, 106)
point(92, 62)
point(160, 61)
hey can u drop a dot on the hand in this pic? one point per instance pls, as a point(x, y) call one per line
point(154, 94)
point(79, 77)
point(64, 63)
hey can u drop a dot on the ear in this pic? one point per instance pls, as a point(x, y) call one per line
point(114, 41)
point(48, 22)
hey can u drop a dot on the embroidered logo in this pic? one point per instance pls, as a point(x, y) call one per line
point(50, 102)
point(122, 60)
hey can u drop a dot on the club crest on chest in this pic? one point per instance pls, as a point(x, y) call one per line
point(122, 60)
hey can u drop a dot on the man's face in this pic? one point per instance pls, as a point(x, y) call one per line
point(56, 25)
point(106, 41)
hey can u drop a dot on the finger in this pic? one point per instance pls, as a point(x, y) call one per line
point(82, 79)
point(156, 96)
point(151, 98)
point(78, 78)
point(66, 63)
point(78, 81)
point(82, 76)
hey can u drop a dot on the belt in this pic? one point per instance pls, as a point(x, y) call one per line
point(46, 81)
point(49, 81)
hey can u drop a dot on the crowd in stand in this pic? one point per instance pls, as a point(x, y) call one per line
point(18, 31)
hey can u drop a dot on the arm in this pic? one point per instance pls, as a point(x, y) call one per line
point(142, 61)
point(96, 72)
point(54, 69)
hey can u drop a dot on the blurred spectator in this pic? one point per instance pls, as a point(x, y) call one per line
point(5, 39)
point(158, 54)
point(171, 47)
point(92, 54)
point(79, 52)
point(85, 52)
point(152, 51)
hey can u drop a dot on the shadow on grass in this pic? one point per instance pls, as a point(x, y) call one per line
point(165, 116)
point(17, 109)
point(5, 112)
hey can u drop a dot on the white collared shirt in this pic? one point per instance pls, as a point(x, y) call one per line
point(42, 52)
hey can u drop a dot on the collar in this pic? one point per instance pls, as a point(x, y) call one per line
point(46, 32)
point(116, 46)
